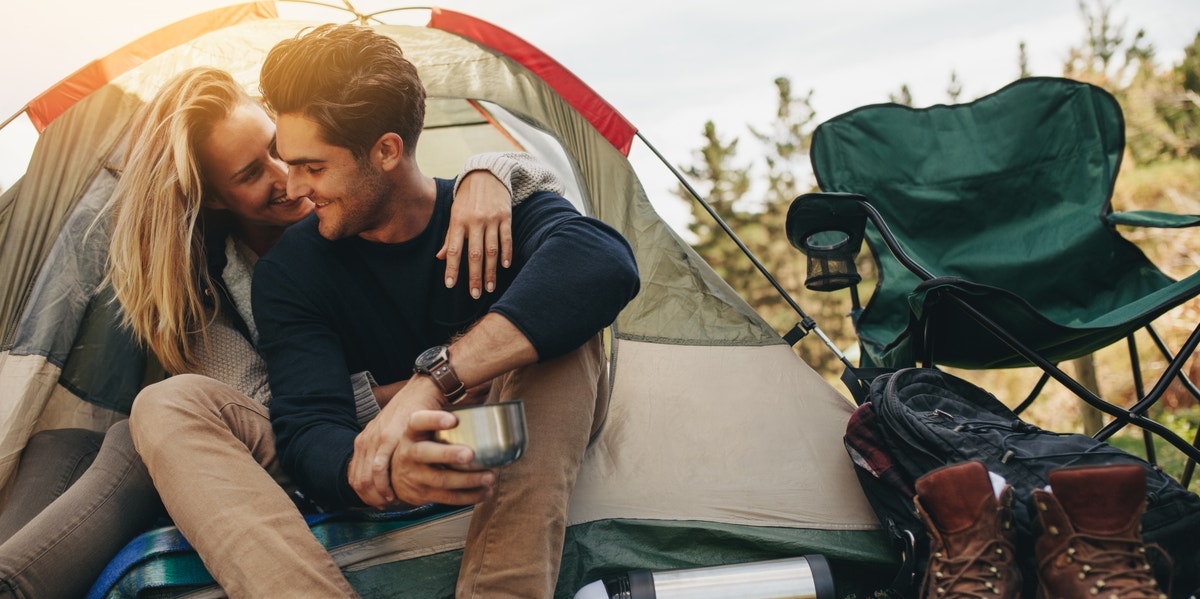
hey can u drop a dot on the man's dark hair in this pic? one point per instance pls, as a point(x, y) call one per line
point(351, 81)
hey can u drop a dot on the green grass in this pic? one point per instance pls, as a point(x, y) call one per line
point(1170, 460)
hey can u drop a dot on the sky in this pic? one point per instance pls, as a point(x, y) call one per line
point(667, 66)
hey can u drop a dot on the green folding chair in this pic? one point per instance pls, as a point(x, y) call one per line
point(992, 228)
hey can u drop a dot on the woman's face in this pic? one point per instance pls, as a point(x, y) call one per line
point(244, 177)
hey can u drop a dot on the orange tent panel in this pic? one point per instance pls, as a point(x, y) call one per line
point(54, 101)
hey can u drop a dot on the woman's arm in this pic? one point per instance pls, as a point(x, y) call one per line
point(521, 173)
point(489, 185)
point(384, 393)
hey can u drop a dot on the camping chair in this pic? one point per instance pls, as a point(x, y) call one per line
point(993, 232)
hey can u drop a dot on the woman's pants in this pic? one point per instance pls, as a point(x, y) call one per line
point(68, 515)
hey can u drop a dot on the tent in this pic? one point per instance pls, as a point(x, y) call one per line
point(721, 446)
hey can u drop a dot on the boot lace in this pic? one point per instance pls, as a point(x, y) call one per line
point(979, 575)
point(1115, 567)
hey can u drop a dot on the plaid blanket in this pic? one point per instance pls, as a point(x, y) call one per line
point(161, 562)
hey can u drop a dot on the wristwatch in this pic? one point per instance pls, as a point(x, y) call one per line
point(435, 362)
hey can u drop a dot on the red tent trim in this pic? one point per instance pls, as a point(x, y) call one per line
point(56, 100)
point(618, 131)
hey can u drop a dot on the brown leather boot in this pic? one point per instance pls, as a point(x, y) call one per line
point(1091, 543)
point(971, 534)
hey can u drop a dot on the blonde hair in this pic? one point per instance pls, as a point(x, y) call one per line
point(157, 264)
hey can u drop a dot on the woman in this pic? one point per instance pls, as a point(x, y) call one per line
point(200, 198)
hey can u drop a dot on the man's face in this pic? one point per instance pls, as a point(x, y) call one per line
point(347, 194)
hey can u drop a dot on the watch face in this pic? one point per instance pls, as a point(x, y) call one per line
point(429, 357)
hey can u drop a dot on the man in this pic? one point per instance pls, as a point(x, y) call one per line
point(359, 289)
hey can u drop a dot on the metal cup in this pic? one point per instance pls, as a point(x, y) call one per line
point(495, 431)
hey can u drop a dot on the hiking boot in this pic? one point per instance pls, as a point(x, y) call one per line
point(1091, 542)
point(971, 536)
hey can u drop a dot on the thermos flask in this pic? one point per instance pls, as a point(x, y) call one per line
point(797, 577)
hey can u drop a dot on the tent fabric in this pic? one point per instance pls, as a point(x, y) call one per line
point(730, 468)
point(65, 160)
point(68, 346)
point(720, 445)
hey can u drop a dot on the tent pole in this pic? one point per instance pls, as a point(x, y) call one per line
point(13, 117)
point(806, 323)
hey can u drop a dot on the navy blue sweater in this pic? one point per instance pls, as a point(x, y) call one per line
point(325, 309)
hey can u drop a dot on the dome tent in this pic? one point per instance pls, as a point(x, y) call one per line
point(721, 446)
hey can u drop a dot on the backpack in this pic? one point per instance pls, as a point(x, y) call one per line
point(918, 419)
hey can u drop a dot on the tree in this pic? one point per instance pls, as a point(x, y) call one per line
point(1102, 39)
point(954, 89)
point(1188, 71)
point(724, 186)
point(902, 96)
point(1183, 114)
point(1161, 120)
point(1023, 62)
point(759, 220)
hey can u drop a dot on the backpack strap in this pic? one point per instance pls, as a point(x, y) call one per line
point(904, 583)
point(858, 381)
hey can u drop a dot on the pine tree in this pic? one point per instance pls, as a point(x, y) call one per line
point(902, 96)
point(724, 185)
point(1023, 62)
point(954, 89)
point(759, 221)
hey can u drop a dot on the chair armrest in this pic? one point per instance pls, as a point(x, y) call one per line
point(814, 213)
point(828, 228)
point(817, 220)
point(1153, 218)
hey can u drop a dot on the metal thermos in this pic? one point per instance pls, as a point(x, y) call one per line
point(794, 578)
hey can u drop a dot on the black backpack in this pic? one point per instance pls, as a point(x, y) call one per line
point(919, 419)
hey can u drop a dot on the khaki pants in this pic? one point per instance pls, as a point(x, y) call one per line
point(211, 453)
point(514, 546)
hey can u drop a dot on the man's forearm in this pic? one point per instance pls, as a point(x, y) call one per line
point(489, 349)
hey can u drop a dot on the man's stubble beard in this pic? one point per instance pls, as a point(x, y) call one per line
point(361, 208)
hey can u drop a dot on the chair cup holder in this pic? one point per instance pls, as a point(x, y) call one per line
point(830, 261)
